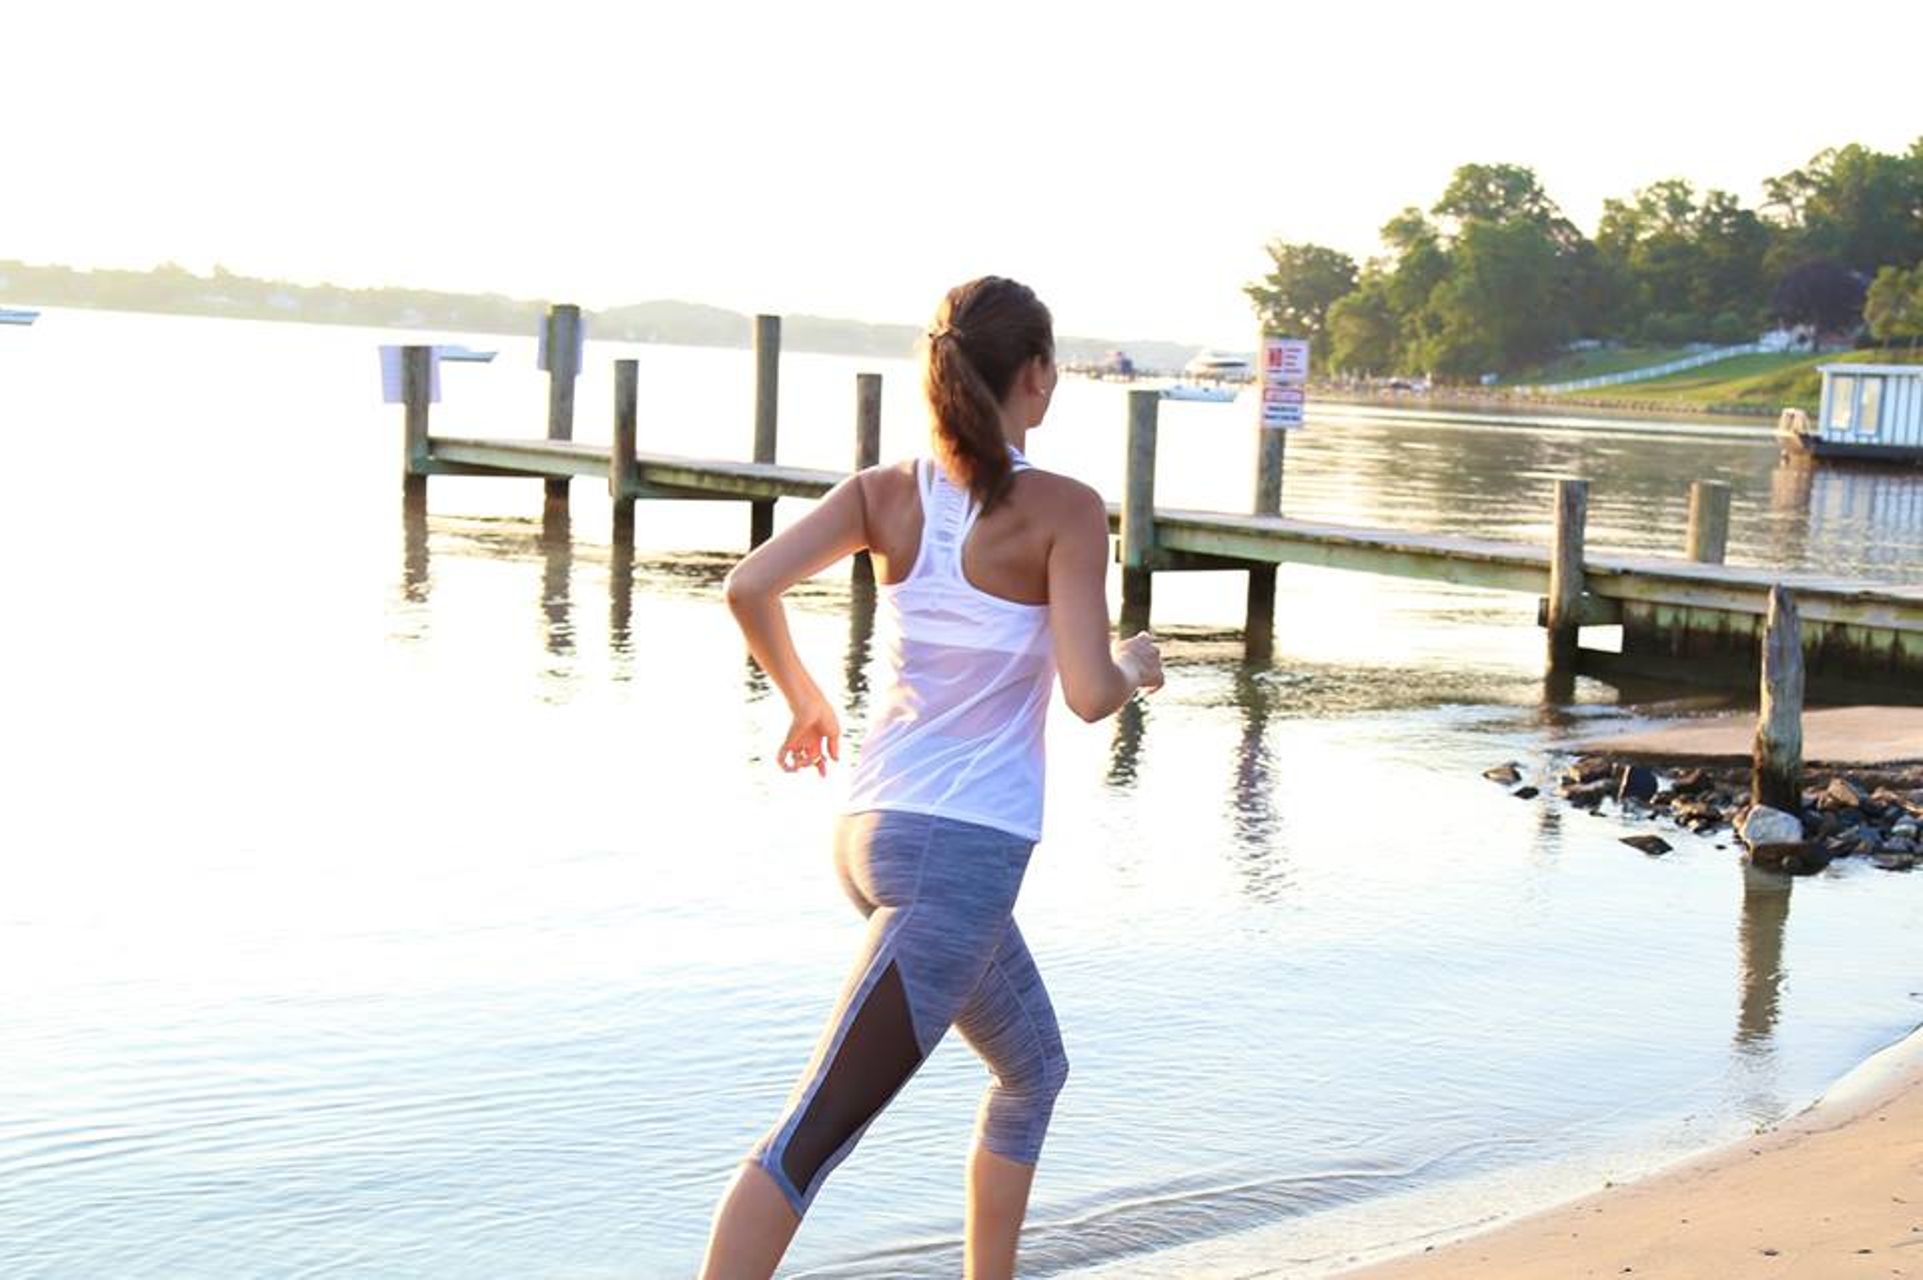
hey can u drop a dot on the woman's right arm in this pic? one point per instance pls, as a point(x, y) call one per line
point(1097, 677)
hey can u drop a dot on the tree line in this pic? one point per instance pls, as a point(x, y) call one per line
point(1493, 278)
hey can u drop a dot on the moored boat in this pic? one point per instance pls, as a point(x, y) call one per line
point(1868, 413)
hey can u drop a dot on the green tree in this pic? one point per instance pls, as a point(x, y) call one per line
point(1680, 262)
point(1893, 308)
point(1860, 207)
point(1500, 193)
point(1503, 304)
point(1364, 329)
point(1295, 297)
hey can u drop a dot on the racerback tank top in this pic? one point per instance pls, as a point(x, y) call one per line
point(958, 733)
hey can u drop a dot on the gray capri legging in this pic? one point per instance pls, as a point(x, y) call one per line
point(941, 948)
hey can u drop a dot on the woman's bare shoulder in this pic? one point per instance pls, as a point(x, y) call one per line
point(889, 483)
point(1062, 500)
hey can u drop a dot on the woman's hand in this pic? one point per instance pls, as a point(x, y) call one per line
point(814, 738)
point(1140, 660)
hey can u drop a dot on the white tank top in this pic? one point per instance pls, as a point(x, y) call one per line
point(959, 731)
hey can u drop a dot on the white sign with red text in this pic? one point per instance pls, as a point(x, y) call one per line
point(1285, 367)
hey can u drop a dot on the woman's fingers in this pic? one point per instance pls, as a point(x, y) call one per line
point(812, 748)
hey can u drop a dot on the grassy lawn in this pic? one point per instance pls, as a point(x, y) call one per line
point(1770, 381)
point(1595, 364)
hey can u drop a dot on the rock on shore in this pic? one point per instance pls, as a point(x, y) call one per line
point(1863, 813)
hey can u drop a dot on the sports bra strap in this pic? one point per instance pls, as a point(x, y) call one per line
point(948, 513)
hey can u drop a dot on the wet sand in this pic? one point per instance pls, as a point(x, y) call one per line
point(1833, 736)
point(1835, 1191)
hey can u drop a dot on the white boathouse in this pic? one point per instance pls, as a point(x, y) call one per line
point(1868, 409)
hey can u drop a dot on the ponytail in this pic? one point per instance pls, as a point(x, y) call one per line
point(985, 331)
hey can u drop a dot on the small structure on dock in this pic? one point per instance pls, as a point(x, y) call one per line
point(1869, 412)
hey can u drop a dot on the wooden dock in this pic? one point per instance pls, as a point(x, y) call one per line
point(1689, 617)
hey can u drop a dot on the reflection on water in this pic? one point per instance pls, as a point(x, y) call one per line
point(1125, 751)
point(1878, 510)
point(557, 565)
point(621, 592)
point(414, 582)
point(861, 636)
point(1254, 817)
point(1765, 918)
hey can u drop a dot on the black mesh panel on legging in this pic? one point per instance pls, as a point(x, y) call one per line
point(875, 1059)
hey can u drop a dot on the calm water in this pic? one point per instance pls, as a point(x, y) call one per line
point(421, 899)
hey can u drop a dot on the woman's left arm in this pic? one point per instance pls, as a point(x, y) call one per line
point(837, 527)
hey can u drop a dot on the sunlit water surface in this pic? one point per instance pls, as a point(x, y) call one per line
point(386, 898)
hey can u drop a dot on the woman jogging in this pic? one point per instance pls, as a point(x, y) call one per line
point(992, 581)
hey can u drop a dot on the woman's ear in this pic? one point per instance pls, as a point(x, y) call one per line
point(1037, 374)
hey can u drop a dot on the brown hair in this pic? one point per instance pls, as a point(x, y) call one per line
point(984, 332)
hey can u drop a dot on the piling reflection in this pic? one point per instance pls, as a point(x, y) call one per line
point(557, 565)
point(414, 579)
point(1760, 940)
point(861, 637)
point(621, 594)
point(1254, 819)
point(1125, 752)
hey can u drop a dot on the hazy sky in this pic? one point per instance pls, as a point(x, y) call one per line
point(856, 159)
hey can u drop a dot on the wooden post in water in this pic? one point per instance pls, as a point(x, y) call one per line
point(867, 450)
point(761, 515)
point(563, 333)
point(1138, 510)
point(1259, 629)
point(1777, 780)
point(623, 473)
point(1565, 572)
point(1708, 521)
point(417, 387)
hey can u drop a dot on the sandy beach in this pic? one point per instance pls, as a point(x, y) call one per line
point(1834, 1191)
point(1836, 736)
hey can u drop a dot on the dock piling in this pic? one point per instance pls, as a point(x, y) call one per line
point(1138, 510)
point(1259, 628)
point(1778, 758)
point(761, 515)
point(623, 471)
point(1565, 572)
point(1708, 521)
point(867, 450)
point(563, 366)
point(417, 385)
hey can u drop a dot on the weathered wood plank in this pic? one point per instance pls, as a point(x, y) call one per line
point(1238, 541)
point(1280, 541)
point(563, 335)
point(417, 383)
point(1566, 570)
point(1708, 537)
point(1258, 629)
point(621, 476)
point(867, 454)
point(1777, 778)
point(1138, 510)
point(761, 517)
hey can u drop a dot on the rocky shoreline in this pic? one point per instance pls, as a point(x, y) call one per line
point(1869, 813)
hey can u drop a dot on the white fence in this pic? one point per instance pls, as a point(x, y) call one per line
point(1653, 371)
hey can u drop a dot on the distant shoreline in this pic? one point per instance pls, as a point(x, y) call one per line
point(225, 295)
point(1462, 398)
